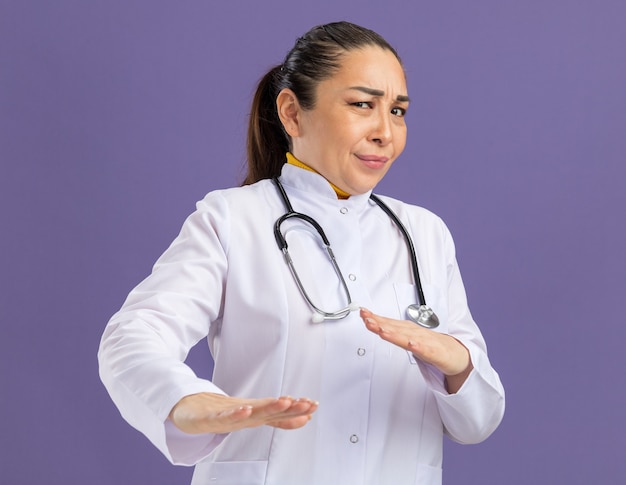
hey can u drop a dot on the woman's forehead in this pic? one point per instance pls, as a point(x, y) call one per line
point(371, 68)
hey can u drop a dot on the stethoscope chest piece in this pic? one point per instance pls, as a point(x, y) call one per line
point(423, 315)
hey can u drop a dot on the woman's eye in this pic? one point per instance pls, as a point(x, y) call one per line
point(398, 112)
point(361, 104)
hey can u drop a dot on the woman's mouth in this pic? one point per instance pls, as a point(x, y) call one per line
point(373, 161)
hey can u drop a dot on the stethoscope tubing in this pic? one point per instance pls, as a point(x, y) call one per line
point(282, 244)
point(409, 243)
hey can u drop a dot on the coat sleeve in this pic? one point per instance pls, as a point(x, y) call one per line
point(144, 345)
point(476, 410)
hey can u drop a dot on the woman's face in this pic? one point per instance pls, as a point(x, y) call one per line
point(357, 128)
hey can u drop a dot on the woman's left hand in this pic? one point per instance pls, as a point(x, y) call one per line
point(444, 352)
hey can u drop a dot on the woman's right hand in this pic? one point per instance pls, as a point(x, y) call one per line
point(215, 413)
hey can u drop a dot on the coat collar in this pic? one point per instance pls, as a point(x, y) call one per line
point(313, 183)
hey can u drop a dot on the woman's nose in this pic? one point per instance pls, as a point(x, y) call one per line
point(381, 132)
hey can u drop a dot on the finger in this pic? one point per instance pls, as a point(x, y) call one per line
point(243, 417)
point(284, 408)
point(265, 409)
point(254, 412)
point(371, 321)
point(384, 324)
point(299, 407)
point(293, 423)
point(302, 406)
point(235, 413)
point(305, 410)
point(385, 327)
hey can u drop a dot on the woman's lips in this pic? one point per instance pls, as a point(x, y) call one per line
point(373, 161)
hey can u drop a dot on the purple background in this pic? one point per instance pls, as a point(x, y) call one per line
point(116, 116)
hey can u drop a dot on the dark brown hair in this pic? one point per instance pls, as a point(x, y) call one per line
point(315, 57)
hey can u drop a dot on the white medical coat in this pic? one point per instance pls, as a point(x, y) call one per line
point(382, 415)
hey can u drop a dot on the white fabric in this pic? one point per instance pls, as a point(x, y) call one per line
point(382, 415)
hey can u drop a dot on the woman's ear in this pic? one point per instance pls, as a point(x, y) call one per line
point(289, 112)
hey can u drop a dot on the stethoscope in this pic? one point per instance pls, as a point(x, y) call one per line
point(421, 313)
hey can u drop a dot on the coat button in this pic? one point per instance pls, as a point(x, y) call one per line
point(352, 277)
point(360, 352)
point(343, 210)
point(354, 439)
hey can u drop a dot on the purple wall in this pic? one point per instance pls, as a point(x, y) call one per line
point(116, 116)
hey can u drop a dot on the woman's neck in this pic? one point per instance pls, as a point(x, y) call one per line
point(291, 160)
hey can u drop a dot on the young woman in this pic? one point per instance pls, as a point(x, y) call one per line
point(285, 317)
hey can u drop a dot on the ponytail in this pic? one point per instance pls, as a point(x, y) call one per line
point(267, 141)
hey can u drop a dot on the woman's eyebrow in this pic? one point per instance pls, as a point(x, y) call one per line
point(378, 93)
